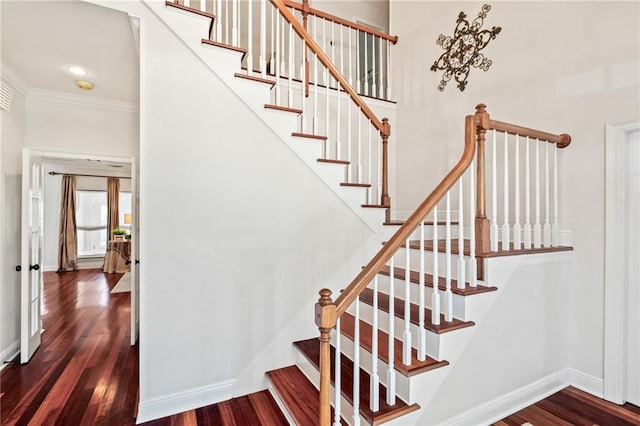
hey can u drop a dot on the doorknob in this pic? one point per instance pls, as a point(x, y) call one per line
point(127, 262)
point(34, 267)
point(137, 261)
point(19, 268)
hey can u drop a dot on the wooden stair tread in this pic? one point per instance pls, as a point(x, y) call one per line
point(397, 222)
point(298, 394)
point(307, 135)
point(281, 108)
point(414, 277)
point(383, 304)
point(358, 185)
point(347, 328)
point(428, 245)
point(190, 9)
point(327, 160)
point(311, 350)
point(374, 206)
point(254, 78)
point(224, 46)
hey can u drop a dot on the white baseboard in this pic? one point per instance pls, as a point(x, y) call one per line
point(507, 404)
point(179, 402)
point(586, 382)
point(9, 353)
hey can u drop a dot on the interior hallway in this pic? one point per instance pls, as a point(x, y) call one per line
point(85, 371)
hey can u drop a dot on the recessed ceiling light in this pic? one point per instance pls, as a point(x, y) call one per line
point(84, 85)
point(77, 70)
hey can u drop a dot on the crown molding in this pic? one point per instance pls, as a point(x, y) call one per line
point(90, 101)
point(11, 77)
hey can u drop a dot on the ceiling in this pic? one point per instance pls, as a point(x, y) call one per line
point(40, 39)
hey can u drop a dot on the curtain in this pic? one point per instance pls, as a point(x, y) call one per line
point(68, 236)
point(113, 214)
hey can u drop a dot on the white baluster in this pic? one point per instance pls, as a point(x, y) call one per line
point(291, 67)
point(203, 6)
point(494, 195)
point(366, 66)
point(316, 124)
point(527, 197)
point(350, 59)
point(555, 228)
point(250, 37)
point(278, 55)
point(422, 333)
point(327, 79)
point(435, 295)
point(374, 86)
point(537, 229)
point(517, 229)
point(239, 14)
point(272, 61)
point(461, 266)
point(380, 70)
point(359, 155)
point(448, 295)
point(218, 21)
point(374, 389)
point(389, 70)
point(227, 27)
point(303, 78)
point(263, 38)
point(358, 72)
point(473, 266)
point(406, 336)
point(391, 372)
point(234, 30)
point(547, 185)
point(187, 3)
point(337, 383)
point(333, 46)
point(505, 224)
point(339, 100)
point(356, 365)
point(349, 147)
point(369, 162)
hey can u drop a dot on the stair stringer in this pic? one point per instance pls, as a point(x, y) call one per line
point(224, 63)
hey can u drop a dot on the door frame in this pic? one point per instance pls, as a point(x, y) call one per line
point(616, 282)
point(53, 155)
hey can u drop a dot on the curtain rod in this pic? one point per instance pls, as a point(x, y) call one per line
point(78, 174)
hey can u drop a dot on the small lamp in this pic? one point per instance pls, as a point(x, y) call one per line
point(127, 218)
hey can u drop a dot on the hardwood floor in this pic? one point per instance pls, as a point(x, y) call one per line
point(85, 371)
point(572, 406)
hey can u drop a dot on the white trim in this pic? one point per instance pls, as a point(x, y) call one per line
point(179, 402)
point(9, 353)
point(81, 100)
point(11, 77)
point(615, 253)
point(585, 382)
point(502, 406)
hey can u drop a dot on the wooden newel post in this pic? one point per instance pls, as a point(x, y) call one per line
point(325, 320)
point(385, 132)
point(483, 244)
point(305, 14)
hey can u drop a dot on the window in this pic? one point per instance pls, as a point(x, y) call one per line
point(91, 220)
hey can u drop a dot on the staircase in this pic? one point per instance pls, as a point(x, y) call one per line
point(390, 338)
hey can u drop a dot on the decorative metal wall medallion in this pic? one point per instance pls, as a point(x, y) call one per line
point(462, 50)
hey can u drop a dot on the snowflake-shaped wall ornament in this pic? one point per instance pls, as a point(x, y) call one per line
point(463, 49)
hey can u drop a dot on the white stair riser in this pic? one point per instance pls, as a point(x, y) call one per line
point(414, 262)
point(402, 381)
point(399, 293)
point(435, 342)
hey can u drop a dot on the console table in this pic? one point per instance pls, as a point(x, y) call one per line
point(118, 253)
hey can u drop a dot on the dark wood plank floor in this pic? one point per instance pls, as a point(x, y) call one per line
point(85, 371)
point(572, 406)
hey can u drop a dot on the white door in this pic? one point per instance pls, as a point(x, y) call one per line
point(32, 237)
point(135, 250)
point(633, 264)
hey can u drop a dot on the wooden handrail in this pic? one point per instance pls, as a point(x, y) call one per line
point(383, 256)
point(324, 59)
point(341, 21)
point(562, 140)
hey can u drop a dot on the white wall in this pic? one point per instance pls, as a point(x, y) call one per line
point(13, 122)
point(67, 124)
point(237, 234)
point(557, 66)
point(374, 13)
